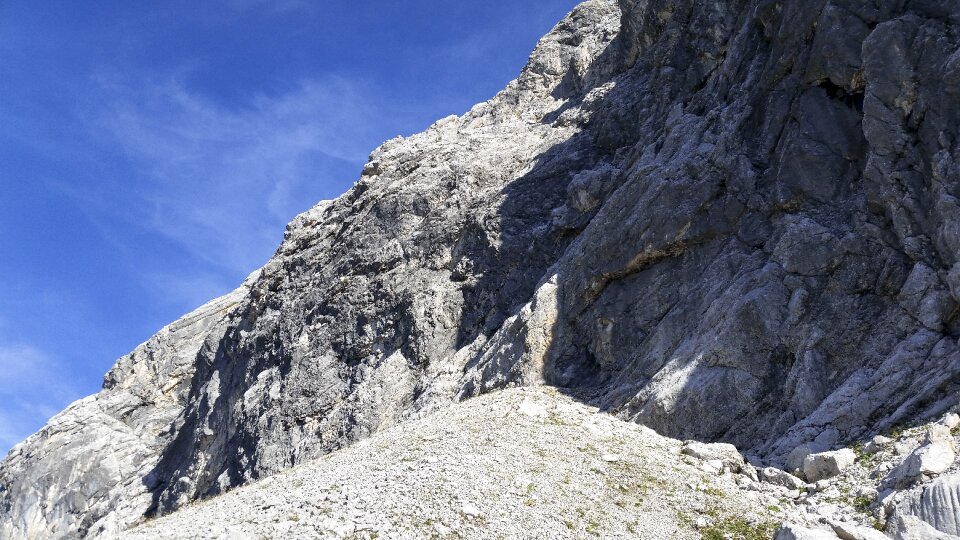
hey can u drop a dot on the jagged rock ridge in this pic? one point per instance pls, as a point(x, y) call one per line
point(727, 221)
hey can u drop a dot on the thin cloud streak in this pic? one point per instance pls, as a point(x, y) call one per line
point(219, 181)
point(33, 388)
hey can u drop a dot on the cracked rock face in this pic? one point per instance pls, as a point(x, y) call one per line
point(731, 221)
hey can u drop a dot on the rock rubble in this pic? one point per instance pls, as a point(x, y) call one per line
point(731, 222)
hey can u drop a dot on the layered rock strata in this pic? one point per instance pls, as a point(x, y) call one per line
point(730, 221)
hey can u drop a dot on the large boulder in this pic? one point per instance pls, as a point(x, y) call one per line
point(849, 531)
point(725, 453)
point(827, 464)
point(778, 477)
point(796, 532)
point(925, 461)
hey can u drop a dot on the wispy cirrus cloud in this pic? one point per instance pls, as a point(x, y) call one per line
point(220, 181)
point(33, 387)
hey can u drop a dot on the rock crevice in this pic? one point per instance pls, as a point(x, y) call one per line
point(731, 221)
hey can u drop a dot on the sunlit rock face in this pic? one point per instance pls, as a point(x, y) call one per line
point(729, 221)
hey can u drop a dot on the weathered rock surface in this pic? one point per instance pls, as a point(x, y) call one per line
point(486, 468)
point(727, 454)
point(796, 532)
point(825, 465)
point(779, 477)
point(733, 221)
point(85, 471)
point(937, 505)
point(846, 531)
point(928, 460)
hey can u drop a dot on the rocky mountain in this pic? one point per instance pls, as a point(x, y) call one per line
point(733, 221)
point(536, 463)
point(524, 463)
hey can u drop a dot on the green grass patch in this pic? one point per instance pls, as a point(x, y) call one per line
point(736, 528)
point(862, 503)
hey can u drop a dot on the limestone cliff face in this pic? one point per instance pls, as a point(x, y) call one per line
point(729, 221)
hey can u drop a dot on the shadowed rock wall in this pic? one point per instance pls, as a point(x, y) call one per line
point(729, 221)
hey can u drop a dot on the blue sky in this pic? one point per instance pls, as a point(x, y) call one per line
point(151, 153)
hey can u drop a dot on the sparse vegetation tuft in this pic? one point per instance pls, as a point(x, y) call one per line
point(736, 528)
point(862, 503)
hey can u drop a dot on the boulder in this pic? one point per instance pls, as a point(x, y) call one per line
point(796, 532)
point(794, 462)
point(848, 531)
point(877, 444)
point(777, 477)
point(723, 452)
point(928, 460)
point(938, 433)
point(827, 464)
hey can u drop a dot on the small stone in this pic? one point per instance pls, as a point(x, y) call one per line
point(832, 492)
point(442, 530)
point(951, 420)
point(822, 485)
point(470, 510)
point(827, 464)
point(828, 510)
point(532, 409)
point(877, 444)
point(610, 458)
point(750, 472)
point(903, 448)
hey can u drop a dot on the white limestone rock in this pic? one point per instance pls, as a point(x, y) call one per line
point(779, 477)
point(825, 465)
point(877, 444)
point(928, 460)
point(721, 456)
point(936, 504)
point(796, 532)
point(907, 527)
point(849, 531)
point(727, 221)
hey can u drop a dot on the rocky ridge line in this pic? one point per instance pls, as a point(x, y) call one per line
point(729, 222)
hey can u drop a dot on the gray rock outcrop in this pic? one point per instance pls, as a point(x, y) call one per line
point(935, 506)
point(825, 465)
point(85, 470)
point(733, 221)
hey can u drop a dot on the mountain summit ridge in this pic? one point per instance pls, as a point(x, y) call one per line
point(726, 221)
